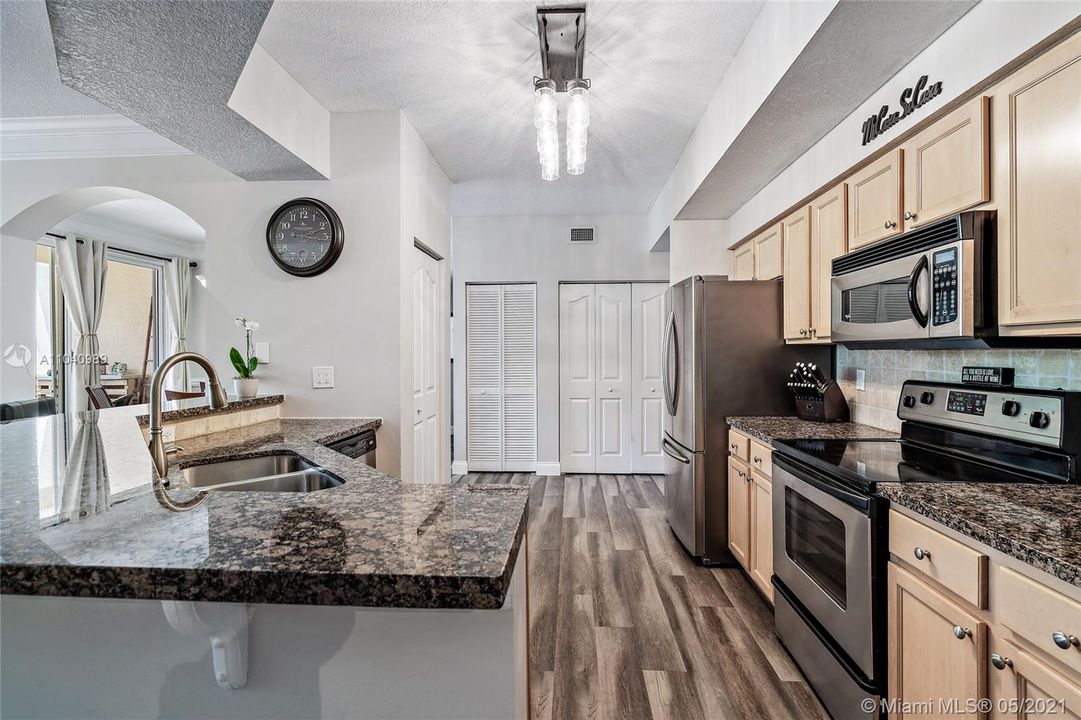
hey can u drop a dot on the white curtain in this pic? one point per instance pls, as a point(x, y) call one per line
point(86, 477)
point(82, 279)
point(177, 294)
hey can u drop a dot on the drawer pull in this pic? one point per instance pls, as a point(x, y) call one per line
point(757, 460)
point(1065, 641)
point(961, 633)
point(922, 554)
point(1001, 663)
point(734, 446)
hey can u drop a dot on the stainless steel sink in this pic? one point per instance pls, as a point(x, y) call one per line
point(269, 473)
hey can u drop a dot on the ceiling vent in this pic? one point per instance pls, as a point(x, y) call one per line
point(582, 235)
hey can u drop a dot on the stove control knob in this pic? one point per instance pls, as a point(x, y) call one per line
point(927, 397)
point(909, 401)
point(1011, 408)
point(1039, 420)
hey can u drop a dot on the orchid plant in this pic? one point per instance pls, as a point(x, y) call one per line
point(245, 364)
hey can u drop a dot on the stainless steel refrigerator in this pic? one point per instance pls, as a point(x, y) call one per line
point(724, 354)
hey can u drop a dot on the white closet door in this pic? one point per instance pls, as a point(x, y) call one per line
point(577, 378)
point(613, 378)
point(519, 378)
point(647, 412)
point(483, 308)
point(426, 371)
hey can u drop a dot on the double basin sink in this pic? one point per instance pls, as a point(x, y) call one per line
point(267, 473)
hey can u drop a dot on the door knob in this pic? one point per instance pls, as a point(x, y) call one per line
point(961, 632)
point(483, 392)
point(890, 224)
point(1065, 641)
point(611, 390)
point(910, 215)
point(418, 411)
point(1000, 663)
point(653, 389)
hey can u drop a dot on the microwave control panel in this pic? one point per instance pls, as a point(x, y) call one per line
point(945, 289)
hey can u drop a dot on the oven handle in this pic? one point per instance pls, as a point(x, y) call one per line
point(817, 480)
point(913, 282)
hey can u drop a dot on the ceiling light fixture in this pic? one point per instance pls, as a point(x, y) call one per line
point(562, 33)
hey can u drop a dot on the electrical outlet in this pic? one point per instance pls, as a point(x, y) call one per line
point(322, 377)
point(861, 379)
point(262, 352)
point(168, 434)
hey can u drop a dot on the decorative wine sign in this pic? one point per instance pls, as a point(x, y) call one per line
point(911, 99)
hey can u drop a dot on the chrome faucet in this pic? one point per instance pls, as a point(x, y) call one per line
point(218, 400)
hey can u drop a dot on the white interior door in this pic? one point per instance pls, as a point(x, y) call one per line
point(519, 343)
point(577, 378)
point(613, 378)
point(484, 417)
point(647, 411)
point(427, 378)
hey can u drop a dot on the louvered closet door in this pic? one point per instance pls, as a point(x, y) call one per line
point(484, 354)
point(577, 378)
point(519, 378)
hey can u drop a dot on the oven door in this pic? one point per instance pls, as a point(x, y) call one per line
point(887, 301)
point(822, 554)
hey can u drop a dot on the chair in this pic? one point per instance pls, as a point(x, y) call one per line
point(98, 397)
point(21, 409)
point(181, 395)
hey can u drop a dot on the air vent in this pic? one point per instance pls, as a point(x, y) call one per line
point(975, 223)
point(582, 235)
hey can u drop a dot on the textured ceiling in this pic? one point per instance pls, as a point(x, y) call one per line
point(29, 81)
point(846, 61)
point(462, 73)
point(171, 67)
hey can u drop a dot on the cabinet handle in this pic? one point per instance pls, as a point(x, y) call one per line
point(922, 554)
point(1065, 641)
point(1001, 663)
point(961, 632)
point(803, 331)
point(910, 215)
point(734, 446)
point(758, 460)
point(890, 224)
point(812, 331)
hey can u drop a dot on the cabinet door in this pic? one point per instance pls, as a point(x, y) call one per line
point(769, 253)
point(762, 533)
point(936, 649)
point(1037, 187)
point(1023, 687)
point(829, 238)
point(743, 262)
point(874, 201)
point(797, 275)
point(947, 167)
point(739, 511)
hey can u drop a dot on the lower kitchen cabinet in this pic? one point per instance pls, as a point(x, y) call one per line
point(1023, 687)
point(761, 514)
point(750, 508)
point(739, 511)
point(936, 649)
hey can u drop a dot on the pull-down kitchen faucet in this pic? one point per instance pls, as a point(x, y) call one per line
point(218, 400)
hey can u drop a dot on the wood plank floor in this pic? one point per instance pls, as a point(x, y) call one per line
point(624, 625)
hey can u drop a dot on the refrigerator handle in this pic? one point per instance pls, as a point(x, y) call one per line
point(670, 342)
point(671, 452)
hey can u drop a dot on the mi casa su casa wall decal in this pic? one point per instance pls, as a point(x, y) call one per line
point(911, 99)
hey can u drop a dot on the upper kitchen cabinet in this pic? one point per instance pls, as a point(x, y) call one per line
point(1036, 116)
point(814, 235)
point(798, 275)
point(743, 262)
point(874, 201)
point(769, 253)
point(946, 166)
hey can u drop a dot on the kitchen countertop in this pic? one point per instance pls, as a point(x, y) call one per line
point(768, 428)
point(1037, 524)
point(173, 410)
point(87, 522)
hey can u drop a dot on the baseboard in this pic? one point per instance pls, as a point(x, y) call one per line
point(547, 468)
point(459, 467)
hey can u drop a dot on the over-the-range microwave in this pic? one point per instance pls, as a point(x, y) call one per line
point(933, 284)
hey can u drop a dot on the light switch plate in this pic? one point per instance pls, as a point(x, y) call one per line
point(323, 377)
point(168, 434)
point(262, 352)
point(861, 379)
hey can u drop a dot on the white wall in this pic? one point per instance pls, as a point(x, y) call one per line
point(17, 293)
point(537, 249)
point(697, 247)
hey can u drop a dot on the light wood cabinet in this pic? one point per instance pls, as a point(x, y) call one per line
point(797, 275)
point(739, 511)
point(1023, 687)
point(769, 253)
point(761, 513)
point(937, 648)
point(946, 166)
point(959, 568)
point(1036, 118)
point(874, 201)
point(743, 262)
point(814, 236)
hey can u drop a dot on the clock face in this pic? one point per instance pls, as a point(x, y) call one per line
point(305, 236)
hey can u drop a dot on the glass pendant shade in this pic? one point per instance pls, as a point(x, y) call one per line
point(577, 105)
point(545, 109)
point(550, 172)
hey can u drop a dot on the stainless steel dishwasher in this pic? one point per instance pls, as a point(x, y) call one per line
point(360, 446)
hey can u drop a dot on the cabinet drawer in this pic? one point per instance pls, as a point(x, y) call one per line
point(761, 458)
point(739, 445)
point(956, 566)
point(1040, 615)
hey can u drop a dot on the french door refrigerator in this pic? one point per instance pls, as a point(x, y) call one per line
point(724, 355)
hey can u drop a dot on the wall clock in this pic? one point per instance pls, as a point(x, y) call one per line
point(305, 237)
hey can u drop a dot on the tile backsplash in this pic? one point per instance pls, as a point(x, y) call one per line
point(886, 370)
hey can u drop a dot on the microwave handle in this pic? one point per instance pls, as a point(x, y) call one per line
point(913, 301)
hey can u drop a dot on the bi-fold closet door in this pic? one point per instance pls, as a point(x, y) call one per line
point(501, 377)
point(610, 408)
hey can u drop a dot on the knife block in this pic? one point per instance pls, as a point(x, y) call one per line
point(830, 406)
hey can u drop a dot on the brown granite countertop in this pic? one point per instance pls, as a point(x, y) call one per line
point(768, 428)
point(1037, 524)
point(173, 410)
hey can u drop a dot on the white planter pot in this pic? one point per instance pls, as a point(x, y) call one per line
point(246, 388)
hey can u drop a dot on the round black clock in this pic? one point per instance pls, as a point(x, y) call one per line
point(305, 237)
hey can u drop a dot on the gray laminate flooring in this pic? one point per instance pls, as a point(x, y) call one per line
point(623, 624)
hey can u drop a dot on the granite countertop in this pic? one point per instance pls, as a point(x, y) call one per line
point(80, 516)
point(173, 410)
point(1037, 524)
point(768, 428)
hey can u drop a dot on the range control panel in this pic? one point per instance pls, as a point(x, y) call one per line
point(944, 289)
point(1028, 417)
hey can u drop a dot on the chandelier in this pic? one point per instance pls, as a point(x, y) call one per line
point(562, 33)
